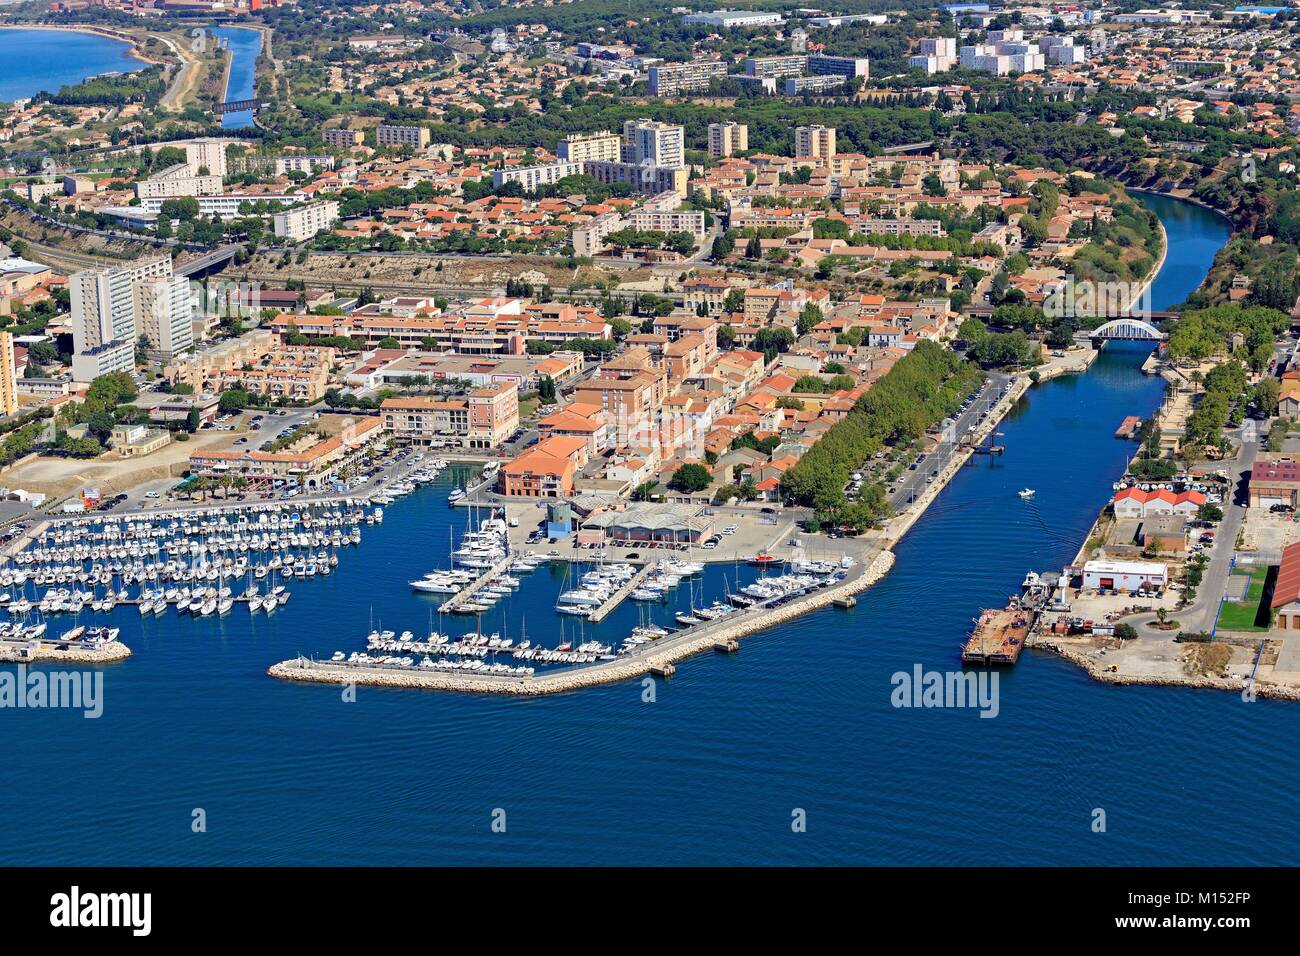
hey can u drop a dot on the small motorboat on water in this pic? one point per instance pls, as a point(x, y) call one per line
point(1026, 493)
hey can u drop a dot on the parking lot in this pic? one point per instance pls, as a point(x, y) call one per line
point(752, 533)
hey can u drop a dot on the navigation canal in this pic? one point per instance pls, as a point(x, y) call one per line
point(711, 771)
point(245, 47)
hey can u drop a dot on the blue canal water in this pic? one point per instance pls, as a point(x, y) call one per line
point(711, 770)
point(245, 47)
point(32, 61)
point(1195, 235)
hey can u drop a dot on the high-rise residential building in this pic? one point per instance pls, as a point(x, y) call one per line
point(177, 181)
point(727, 139)
point(106, 307)
point(776, 67)
point(730, 19)
point(814, 142)
point(642, 177)
point(166, 316)
point(938, 46)
point(654, 143)
point(530, 178)
point(848, 67)
point(209, 154)
point(586, 147)
point(8, 375)
point(819, 83)
point(670, 79)
point(386, 135)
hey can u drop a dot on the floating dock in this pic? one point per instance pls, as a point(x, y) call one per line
point(999, 637)
point(617, 598)
point(465, 594)
point(1128, 428)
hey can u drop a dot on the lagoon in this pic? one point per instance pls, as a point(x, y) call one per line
point(32, 61)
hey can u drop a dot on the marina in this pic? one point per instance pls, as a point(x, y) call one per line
point(807, 698)
point(199, 562)
point(595, 595)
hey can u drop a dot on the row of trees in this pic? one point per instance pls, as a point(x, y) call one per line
point(923, 387)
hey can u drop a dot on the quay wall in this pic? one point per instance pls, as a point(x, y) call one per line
point(667, 653)
point(899, 526)
point(105, 654)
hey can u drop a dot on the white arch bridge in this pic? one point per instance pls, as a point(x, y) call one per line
point(1124, 328)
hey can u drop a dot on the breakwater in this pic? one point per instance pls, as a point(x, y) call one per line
point(46, 652)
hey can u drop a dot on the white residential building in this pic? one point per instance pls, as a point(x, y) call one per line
point(227, 205)
point(102, 359)
point(531, 177)
point(730, 19)
point(653, 143)
point(209, 154)
point(299, 223)
point(584, 147)
point(106, 304)
point(166, 316)
point(176, 182)
point(814, 142)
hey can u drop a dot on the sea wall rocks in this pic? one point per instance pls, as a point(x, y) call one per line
point(104, 654)
point(1099, 671)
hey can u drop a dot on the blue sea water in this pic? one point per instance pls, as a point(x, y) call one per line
point(32, 61)
point(245, 47)
point(711, 771)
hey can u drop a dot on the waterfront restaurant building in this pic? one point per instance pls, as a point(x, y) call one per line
point(1124, 576)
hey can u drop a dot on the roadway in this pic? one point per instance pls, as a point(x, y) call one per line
point(1201, 614)
point(914, 483)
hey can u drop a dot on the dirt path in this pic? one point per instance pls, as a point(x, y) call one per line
point(183, 83)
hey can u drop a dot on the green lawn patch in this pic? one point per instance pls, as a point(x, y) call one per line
point(1252, 614)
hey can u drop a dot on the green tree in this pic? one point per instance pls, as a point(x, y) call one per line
point(100, 425)
point(691, 478)
point(233, 400)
